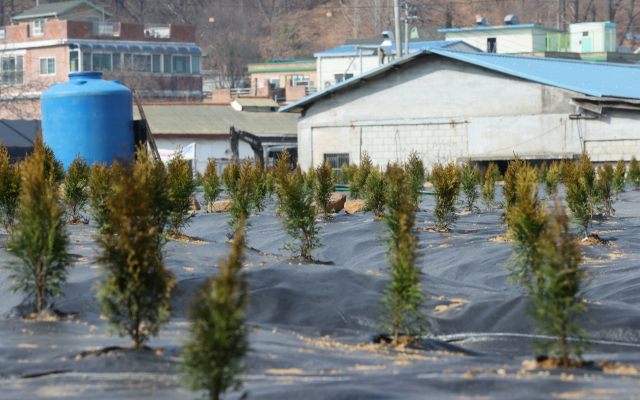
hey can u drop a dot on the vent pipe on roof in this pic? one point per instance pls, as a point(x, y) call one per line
point(511, 20)
point(388, 38)
point(481, 21)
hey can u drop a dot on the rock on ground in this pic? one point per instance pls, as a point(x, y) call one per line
point(336, 203)
point(354, 206)
point(219, 206)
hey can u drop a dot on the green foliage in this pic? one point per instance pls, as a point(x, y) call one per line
point(415, 176)
point(53, 168)
point(619, 177)
point(40, 240)
point(324, 186)
point(230, 175)
point(527, 221)
point(10, 184)
point(101, 187)
point(375, 193)
point(199, 179)
point(135, 290)
point(259, 189)
point(469, 184)
point(310, 179)
point(344, 176)
point(488, 192)
point(211, 182)
point(544, 168)
point(494, 171)
point(510, 181)
point(403, 301)
point(579, 184)
point(605, 190)
point(76, 185)
point(633, 174)
point(298, 216)
point(354, 190)
point(557, 300)
point(446, 182)
point(551, 180)
point(359, 178)
point(270, 183)
point(181, 186)
point(241, 197)
point(280, 174)
point(213, 354)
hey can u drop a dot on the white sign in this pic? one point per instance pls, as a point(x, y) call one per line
point(189, 153)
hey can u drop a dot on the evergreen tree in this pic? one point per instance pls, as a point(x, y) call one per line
point(359, 178)
point(40, 240)
point(415, 175)
point(241, 197)
point(181, 186)
point(218, 341)
point(375, 193)
point(270, 183)
point(552, 179)
point(298, 216)
point(311, 179)
point(446, 182)
point(324, 186)
point(211, 182)
point(135, 290)
point(53, 168)
point(344, 176)
point(494, 171)
point(230, 175)
point(259, 189)
point(557, 301)
point(10, 184)
point(544, 168)
point(281, 172)
point(578, 181)
point(76, 184)
point(527, 221)
point(469, 185)
point(403, 301)
point(510, 181)
point(619, 177)
point(604, 189)
point(633, 174)
point(354, 190)
point(488, 192)
point(101, 185)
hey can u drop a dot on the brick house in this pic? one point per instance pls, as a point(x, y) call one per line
point(43, 45)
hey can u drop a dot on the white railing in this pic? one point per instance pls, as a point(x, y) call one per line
point(311, 90)
point(157, 30)
point(108, 28)
point(240, 92)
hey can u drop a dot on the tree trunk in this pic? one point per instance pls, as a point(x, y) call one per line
point(39, 288)
point(396, 322)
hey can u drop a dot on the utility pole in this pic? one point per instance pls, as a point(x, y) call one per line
point(396, 14)
point(406, 27)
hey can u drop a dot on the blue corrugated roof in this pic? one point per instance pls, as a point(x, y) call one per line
point(590, 78)
point(350, 50)
point(483, 28)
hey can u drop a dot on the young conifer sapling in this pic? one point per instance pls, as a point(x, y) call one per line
point(211, 183)
point(76, 184)
point(181, 186)
point(619, 176)
point(446, 182)
point(323, 176)
point(375, 193)
point(10, 186)
point(415, 176)
point(469, 185)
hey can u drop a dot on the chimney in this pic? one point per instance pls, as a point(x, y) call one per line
point(511, 20)
point(480, 21)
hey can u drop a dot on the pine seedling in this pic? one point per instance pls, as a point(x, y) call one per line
point(552, 179)
point(494, 171)
point(469, 185)
point(558, 300)
point(344, 176)
point(298, 216)
point(578, 185)
point(324, 186)
point(604, 190)
point(354, 190)
point(299, 176)
point(181, 186)
point(76, 184)
point(211, 183)
point(40, 240)
point(10, 185)
point(311, 179)
point(281, 173)
point(619, 177)
point(633, 174)
point(259, 189)
point(218, 342)
point(402, 305)
point(608, 171)
point(446, 182)
point(101, 187)
point(199, 179)
point(241, 198)
point(527, 221)
point(488, 192)
point(230, 175)
point(53, 168)
point(415, 176)
point(510, 181)
point(270, 183)
point(375, 193)
point(359, 177)
point(544, 168)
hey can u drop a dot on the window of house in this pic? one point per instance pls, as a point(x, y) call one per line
point(117, 61)
point(584, 34)
point(127, 61)
point(142, 63)
point(195, 64)
point(3, 33)
point(156, 63)
point(339, 77)
point(492, 45)
point(48, 66)
point(74, 61)
point(86, 61)
point(167, 64)
point(38, 27)
point(12, 70)
point(181, 64)
point(101, 62)
point(336, 160)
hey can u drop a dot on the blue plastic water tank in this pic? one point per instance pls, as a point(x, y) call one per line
point(88, 116)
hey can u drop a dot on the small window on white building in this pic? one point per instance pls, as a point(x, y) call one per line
point(12, 70)
point(195, 64)
point(48, 66)
point(3, 33)
point(336, 160)
point(38, 27)
point(74, 61)
point(156, 63)
point(492, 45)
point(141, 63)
point(181, 64)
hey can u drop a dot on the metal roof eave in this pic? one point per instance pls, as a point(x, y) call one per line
point(484, 28)
point(56, 13)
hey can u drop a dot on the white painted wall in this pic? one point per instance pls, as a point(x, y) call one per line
point(449, 110)
point(509, 40)
point(205, 148)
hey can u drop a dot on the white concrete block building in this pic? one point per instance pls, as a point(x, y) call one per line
point(451, 106)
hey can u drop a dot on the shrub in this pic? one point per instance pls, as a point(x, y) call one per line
point(633, 174)
point(230, 175)
point(488, 192)
point(10, 184)
point(298, 216)
point(544, 168)
point(403, 301)
point(259, 188)
point(135, 290)
point(375, 193)
point(280, 173)
point(494, 171)
point(552, 179)
point(557, 301)
point(310, 180)
point(344, 176)
point(101, 185)
point(181, 186)
point(510, 181)
point(619, 177)
point(298, 174)
point(199, 179)
point(213, 354)
point(324, 186)
point(527, 221)
point(211, 182)
point(53, 168)
point(415, 176)
point(469, 185)
point(578, 185)
point(40, 240)
point(446, 182)
point(354, 190)
point(359, 178)
point(270, 183)
point(604, 190)
point(76, 184)
point(241, 197)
